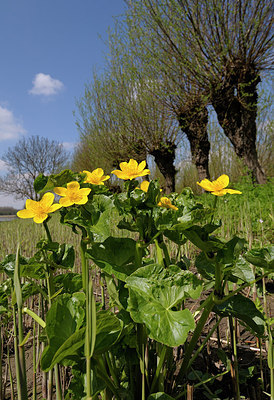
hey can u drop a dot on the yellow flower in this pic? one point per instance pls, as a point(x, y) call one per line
point(166, 202)
point(144, 186)
point(39, 210)
point(72, 194)
point(131, 170)
point(96, 177)
point(218, 187)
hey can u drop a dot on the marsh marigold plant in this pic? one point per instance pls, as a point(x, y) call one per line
point(72, 194)
point(218, 186)
point(96, 177)
point(39, 210)
point(131, 170)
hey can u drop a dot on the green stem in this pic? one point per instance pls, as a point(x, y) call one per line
point(34, 386)
point(47, 231)
point(83, 248)
point(204, 342)
point(166, 254)
point(196, 334)
point(159, 366)
point(17, 362)
point(234, 364)
point(218, 280)
point(111, 369)
point(138, 255)
point(214, 208)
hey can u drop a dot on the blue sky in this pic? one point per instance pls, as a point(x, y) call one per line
point(48, 52)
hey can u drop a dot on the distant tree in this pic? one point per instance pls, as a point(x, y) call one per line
point(26, 160)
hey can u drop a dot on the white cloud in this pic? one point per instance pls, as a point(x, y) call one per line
point(69, 145)
point(45, 85)
point(10, 128)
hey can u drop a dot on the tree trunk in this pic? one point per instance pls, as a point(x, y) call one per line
point(164, 158)
point(193, 123)
point(236, 108)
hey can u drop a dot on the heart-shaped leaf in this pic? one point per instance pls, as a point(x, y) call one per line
point(154, 293)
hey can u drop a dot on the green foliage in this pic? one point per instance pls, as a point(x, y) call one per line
point(149, 281)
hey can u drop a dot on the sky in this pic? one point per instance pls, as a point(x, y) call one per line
point(49, 50)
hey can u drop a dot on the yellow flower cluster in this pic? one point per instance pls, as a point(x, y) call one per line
point(73, 194)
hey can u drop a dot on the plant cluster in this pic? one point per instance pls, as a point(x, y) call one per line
point(125, 350)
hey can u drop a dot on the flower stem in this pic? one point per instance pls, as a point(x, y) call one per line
point(47, 231)
point(214, 208)
point(196, 334)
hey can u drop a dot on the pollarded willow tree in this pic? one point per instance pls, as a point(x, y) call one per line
point(159, 50)
point(119, 119)
point(222, 47)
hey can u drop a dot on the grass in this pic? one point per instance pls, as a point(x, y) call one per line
point(249, 215)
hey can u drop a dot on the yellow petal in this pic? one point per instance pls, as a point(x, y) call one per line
point(123, 166)
point(40, 218)
point(54, 207)
point(144, 186)
point(221, 182)
point(143, 173)
point(47, 200)
point(232, 191)
point(83, 200)
point(66, 202)
point(61, 191)
point(99, 172)
point(32, 205)
point(219, 192)
point(120, 174)
point(72, 186)
point(206, 185)
point(25, 214)
point(141, 166)
point(132, 164)
point(84, 191)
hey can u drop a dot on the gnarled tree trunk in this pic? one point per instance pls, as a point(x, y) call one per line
point(236, 108)
point(164, 157)
point(193, 122)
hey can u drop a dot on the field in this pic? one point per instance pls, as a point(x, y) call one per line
point(221, 287)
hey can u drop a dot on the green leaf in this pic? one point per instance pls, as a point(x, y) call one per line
point(66, 350)
point(154, 293)
point(93, 216)
point(64, 256)
point(34, 316)
point(263, 258)
point(245, 310)
point(242, 270)
point(160, 396)
point(63, 319)
point(108, 331)
point(70, 282)
point(47, 183)
point(115, 256)
point(8, 264)
point(205, 266)
point(200, 238)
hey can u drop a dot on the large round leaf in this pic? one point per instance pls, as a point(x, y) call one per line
point(115, 256)
point(154, 292)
